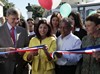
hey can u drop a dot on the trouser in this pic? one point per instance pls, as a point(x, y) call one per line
point(65, 69)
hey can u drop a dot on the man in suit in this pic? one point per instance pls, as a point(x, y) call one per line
point(12, 63)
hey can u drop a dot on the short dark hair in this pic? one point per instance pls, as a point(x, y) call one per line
point(94, 18)
point(30, 19)
point(12, 11)
point(67, 21)
point(37, 31)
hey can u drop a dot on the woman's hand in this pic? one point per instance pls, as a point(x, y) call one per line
point(31, 55)
point(45, 48)
point(34, 53)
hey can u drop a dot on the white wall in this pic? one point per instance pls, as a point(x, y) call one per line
point(1, 9)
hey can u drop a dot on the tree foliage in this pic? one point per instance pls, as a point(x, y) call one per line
point(6, 5)
point(37, 11)
point(4, 1)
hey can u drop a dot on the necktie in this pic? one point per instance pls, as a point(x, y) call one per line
point(13, 34)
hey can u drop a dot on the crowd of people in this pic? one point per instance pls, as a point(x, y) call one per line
point(60, 34)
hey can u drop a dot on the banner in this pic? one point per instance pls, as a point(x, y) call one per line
point(35, 48)
point(87, 50)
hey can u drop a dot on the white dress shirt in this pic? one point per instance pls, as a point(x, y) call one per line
point(31, 33)
point(69, 42)
point(9, 27)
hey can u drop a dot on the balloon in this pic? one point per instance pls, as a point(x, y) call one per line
point(49, 4)
point(65, 10)
point(56, 3)
point(92, 12)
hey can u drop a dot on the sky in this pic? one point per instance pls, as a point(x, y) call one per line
point(21, 5)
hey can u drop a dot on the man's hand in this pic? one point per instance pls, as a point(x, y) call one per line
point(10, 49)
point(59, 55)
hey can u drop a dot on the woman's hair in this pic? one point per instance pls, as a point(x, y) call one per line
point(53, 15)
point(30, 19)
point(94, 18)
point(23, 23)
point(37, 29)
point(77, 19)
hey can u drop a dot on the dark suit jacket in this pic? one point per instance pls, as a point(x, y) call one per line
point(12, 63)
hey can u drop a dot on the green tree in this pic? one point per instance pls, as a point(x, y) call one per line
point(37, 11)
point(61, 3)
point(4, 1)
point(6, 5)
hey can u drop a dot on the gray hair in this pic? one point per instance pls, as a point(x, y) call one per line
point(67, 21)
point(13, 11)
